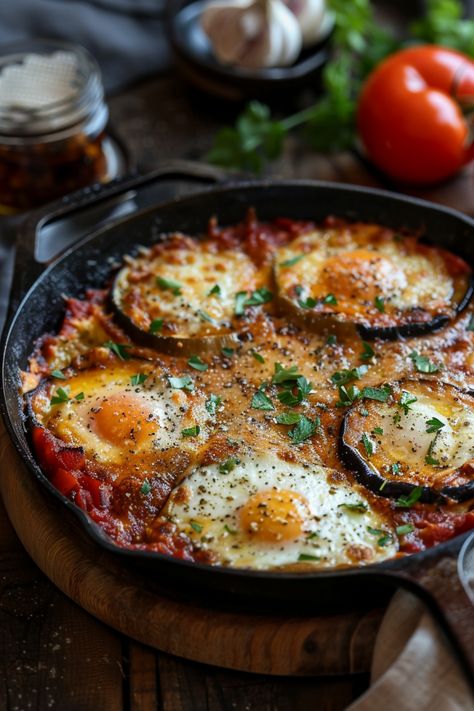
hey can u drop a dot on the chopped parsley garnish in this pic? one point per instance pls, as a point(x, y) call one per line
point(260, 401)
point(288, 397)
point(385, 537)
point(313, 534)
point(285, 375)
point(256, 298)
point(395, 468)
point(145, 487)
point(405, 529)
point(404, 502)
point(138, 378)
point(357, 507)
point(424, 364)
point(434, 425)
point(229, 465)
point(79, 396)
point(169, 285)
point(331, 340)
point(342, 377)
point(380, 394)
point(379, 304)
point(347, 395)
point(377, 430)
point(368, 444)
point(60, 397)
point(215, 291)
point(330, 299)
point(119, 349)
point(259, 358)
point(197, 363)
point(292, 261)
point(196, 527)
point(184, 383)
point(305, 556)
point(368, 352)
point(205, 316)
point(288, 418)
point(229, 530)
point(191, 431)
point(156, 325)
point(431, 460)
point(57, 374)
point(308, 303)
point(213, 403)
point(227, 352)
point(383, 485)
point(470, 325)
point(406, 399)
point(304, 429)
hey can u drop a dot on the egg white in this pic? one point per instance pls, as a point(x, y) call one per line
point(206, 507)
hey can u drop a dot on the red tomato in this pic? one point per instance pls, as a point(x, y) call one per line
point(409, 115)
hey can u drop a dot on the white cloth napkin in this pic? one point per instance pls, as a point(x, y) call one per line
point(413, 668)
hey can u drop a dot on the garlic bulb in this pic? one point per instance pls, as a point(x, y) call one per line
point(252, 33)
point(314, 19)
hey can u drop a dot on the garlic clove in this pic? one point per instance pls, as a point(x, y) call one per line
point(314, 19)
point(252, 34)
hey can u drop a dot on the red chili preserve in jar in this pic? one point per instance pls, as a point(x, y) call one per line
point(52, 124)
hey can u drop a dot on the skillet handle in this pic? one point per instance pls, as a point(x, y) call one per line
point(441, 579)
point(105, 197)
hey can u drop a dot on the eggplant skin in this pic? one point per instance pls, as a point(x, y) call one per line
point(368, 477)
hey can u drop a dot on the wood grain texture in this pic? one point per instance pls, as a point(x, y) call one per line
point(333, 644)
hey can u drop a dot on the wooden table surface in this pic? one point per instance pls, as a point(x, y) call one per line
point(53, 655)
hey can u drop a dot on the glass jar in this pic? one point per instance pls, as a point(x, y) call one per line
point(52, 124)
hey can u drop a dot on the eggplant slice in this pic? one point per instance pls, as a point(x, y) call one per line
point(386, 284)
point(184, 296)
point(422, 436)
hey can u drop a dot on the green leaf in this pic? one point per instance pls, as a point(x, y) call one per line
point(357, 507)
point(205, 316)
point(331, 340)
point(287, 395)
point(197, 363)
point(288, 418)
point(60, 397)
point(258, 297)
point(169, 285)
point(196, 526)
point(240, 300)
point(305, 556)
point(406, 399)
point(184, 383)
point(379, 304)
point(212, 404)
point(431, 460)
point(405, 529)
point(384, 537)
point(138, 378)
point(442, 24)
point(347, 395)
point(368, 444)
point(330, 299)
point(156, 325)
point(405, 502)
point(434, 425)
point(377, 430)
point(395, 468)
point(215, 291)
point(304, 429)
point(380, 394)
point(79, 396)
point(368, 352)
point(191, 431)
point(145, 487)
point(423, 364)
point(308, 303)
point(227, 352)
point(470, 325)
point(259, 358)
point(229, 465)
point(261, 402)
point(119, 349)
point(57, 374)
point(342, 377)
point(229, 530)
point(291, 262)
point(285, 375)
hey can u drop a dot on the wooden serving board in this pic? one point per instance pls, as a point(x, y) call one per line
point(300, 646)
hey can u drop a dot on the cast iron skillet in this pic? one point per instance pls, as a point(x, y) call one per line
point(437, 575)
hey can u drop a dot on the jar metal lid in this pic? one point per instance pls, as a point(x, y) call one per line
point(48, 86)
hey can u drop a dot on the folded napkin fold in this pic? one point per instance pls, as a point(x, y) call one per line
point(414, 668)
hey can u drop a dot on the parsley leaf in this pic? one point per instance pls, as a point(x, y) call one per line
point(197, 363)
point(330, 299)
point(405, 502)
point(184, 383)
point(377, 430)
point(119, 349)
point(292, 261)
point(380, 394)
point(406, 399)
point(212, 404)
point(368, 352)
point(260, 401)
point(60, 397)
point(304, 429)
point(227, 352)
point(156, 325)
point(288, 418)
point(205, 316)
point(191, 431)
point(434, 425)
point(169, 285)
point(342, 377)
point(229, 465)
point(259, 358)
point(57, 374)
point(470, 325)
point(196, 526)
point(405, 529)
point(285, 375)
point(303, 389)
point(256, 298)
point(79, 396)
point(145, 487)
point(423, 364)
point(431, 460)
point(368, 444)
point(308, 303)
point(357, 507)
point(215, 291)
point(331, 340)
point(379, 304)
point(347, 395)
point(305, 556)
point(138, 378)
point(395, 468)
point(385, 537)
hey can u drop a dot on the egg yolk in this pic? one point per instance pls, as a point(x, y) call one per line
point(360, 275)
point(123, 418)
point(273, 516)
